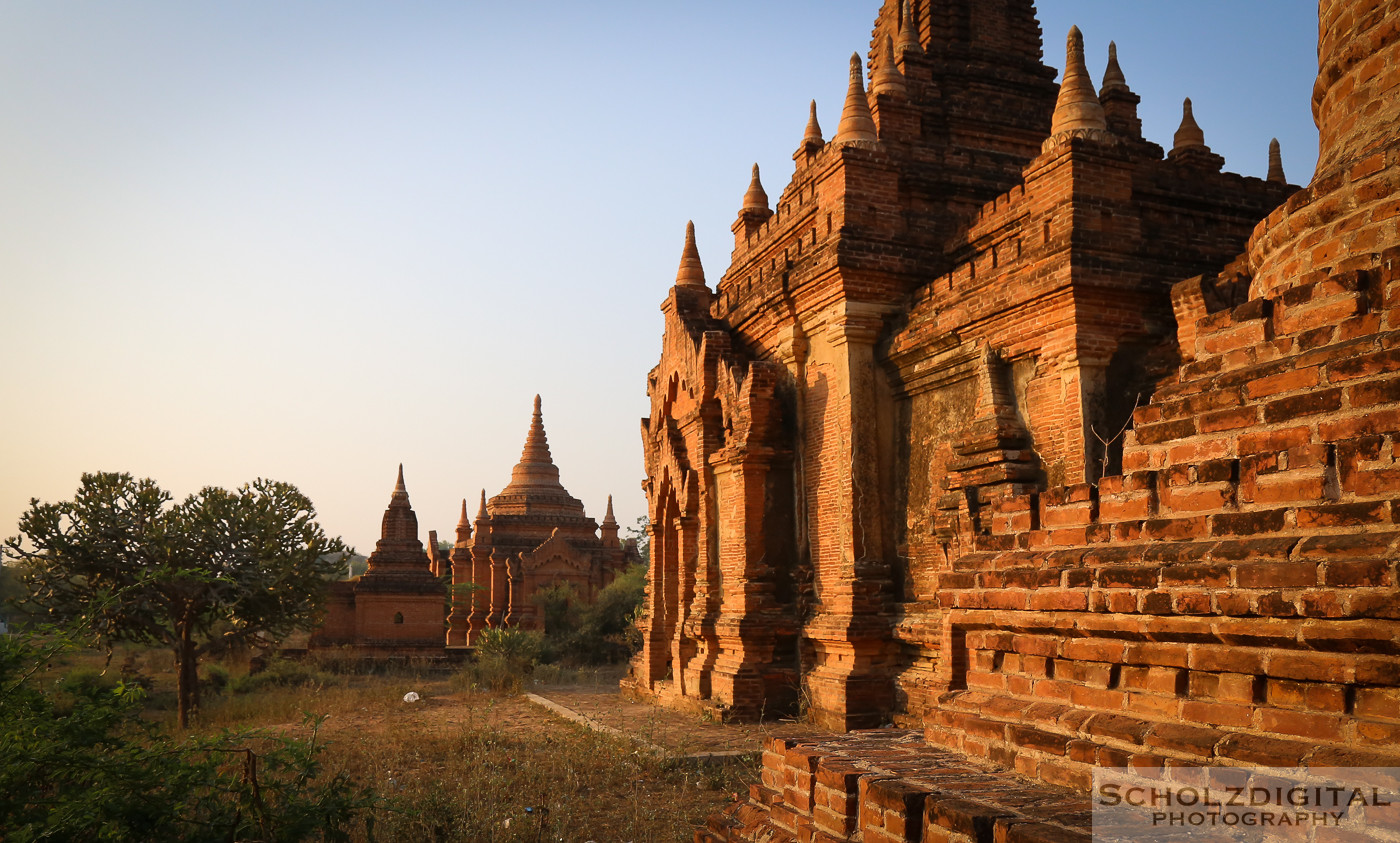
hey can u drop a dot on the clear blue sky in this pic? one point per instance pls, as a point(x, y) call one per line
point(312, 240)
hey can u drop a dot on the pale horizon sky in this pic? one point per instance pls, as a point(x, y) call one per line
point(310, 241)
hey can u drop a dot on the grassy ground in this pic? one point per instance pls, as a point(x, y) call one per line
point(461, 763)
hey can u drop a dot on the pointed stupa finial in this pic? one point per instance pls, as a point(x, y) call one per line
point(464, 527)
point(814, 129)
point(400, 523)
point(1077, 108)
point(1276, 163)
point(691, 273)
point(608, 529)
point(755, 198)
point(1188, 134)
point(536, 442)
point(856, 122)
point(887, 79)
point(908, 32)
point(1113, 78)
point(536, 470)
point(481, 509)
point(400, 496)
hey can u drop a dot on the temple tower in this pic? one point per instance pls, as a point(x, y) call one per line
point(948, 302)
point(532, 535)
point(396, 607)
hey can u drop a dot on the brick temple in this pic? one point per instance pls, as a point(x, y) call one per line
point(533, 535)
point(397, 606)
point(1053, 447)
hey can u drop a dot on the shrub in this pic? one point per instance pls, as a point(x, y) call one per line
point(280, 672)
point(504, 657)
point(521, 648)
point(85, 680)
point(96, 770)
point(605, 632)
point(216, 679)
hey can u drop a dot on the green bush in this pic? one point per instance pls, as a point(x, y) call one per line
point(94, 769)
point(280, 672)
point(575, 634)
point(85, 680)
point(601, 633)
point(216, 678)
point(504, 657)
point(521, 648)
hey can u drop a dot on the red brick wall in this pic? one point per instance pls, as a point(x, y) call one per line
point(422, 622)
point(1234, 596)
point(338, 626)
point(954, 314)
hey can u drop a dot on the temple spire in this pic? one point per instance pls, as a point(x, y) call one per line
point(481, 514)
point(1119, 102)
point(887, 79)
point(856, 122)
point(1077, 108)
point(1113, 78)
point(1189, 144)
point(608, 529)
point(464, 527)
point(400, 496)
point(755, 199)
point(1276, 163)
point(536, 448)
point(1188, 134)
point(814, 129)
point(812, 142)
point(536, 471)
point(909, 32)
point(691, 273)
point(400, 523)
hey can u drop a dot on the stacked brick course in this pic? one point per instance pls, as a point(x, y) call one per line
point(953, 443)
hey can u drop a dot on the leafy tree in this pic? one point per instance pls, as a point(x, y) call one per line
point(611, 620)
point(217, 571)
point(559, 609)
point(82, 764)
point(357, 565)
point(593, 633)
point(12, 592)
point(638, 533)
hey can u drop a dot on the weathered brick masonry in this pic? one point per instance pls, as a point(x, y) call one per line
point(953, 443)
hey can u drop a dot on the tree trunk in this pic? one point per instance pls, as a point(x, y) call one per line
point(186, 677)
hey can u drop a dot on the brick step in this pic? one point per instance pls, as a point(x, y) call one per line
point(887, 785)
point(1206, 583)
point(1307, 321)
point(1062, 741)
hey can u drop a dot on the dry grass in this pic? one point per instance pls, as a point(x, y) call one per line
point(483, 783)
point(464, 764)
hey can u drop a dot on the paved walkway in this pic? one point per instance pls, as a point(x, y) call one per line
point(663, 730)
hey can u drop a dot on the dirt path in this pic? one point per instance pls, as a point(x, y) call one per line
point(677, 732)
